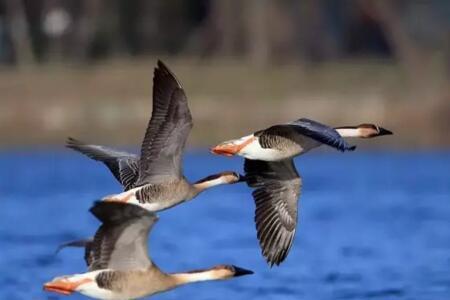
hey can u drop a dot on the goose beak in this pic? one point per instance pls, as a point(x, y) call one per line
point(233, 147)
point(241, 271)
point(59, 286)
point(226, 149)
point(64, 286)
point(56, 290)
point(384, 131)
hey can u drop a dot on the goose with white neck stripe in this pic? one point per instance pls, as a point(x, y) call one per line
point(155, 180)
point(270, 171)
point(118, 263)
point(288, 140)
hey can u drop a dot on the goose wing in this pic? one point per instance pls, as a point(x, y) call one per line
point(83, 243)
point(123, 165)
point(167, 131)
point(317, 131)
point(121, 241)
point(277, 188)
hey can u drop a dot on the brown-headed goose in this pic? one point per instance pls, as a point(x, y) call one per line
point(284, 141)
point(155, 181)
point(118, 263)
point(125, 166)
point(270, 170)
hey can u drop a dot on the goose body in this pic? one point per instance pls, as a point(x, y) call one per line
point(160, 196)
point(154, 197)
point(285, 141)
point(118, 263)
point(155, 180)
point(271, 173)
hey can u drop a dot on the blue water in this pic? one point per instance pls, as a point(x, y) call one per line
point(372, 226)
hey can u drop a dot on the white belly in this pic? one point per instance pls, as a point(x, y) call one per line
point(152, 206)
point(256, 152)
point(91, 289)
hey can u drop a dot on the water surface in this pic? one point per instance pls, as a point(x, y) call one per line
point(372, 226)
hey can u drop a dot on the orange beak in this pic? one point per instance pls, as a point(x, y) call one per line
point(230, 148)
point(64, 287)
point(60, 287)
point(226, 149)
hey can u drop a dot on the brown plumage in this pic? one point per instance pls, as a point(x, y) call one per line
point(277, 188)
point(118, 263)
point(155, 180)
point(123, 165)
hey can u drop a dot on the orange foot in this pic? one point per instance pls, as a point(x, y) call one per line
point(64, 286)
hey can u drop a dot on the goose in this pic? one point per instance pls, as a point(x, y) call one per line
point(155, 180)
point(118, 263)
point(269, 169)
point(284, 141)
point(125, 166)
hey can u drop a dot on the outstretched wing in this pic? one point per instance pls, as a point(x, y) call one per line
point(321, 133)
point(123, 165)
point(167, 130)
point(121, 241)
point(312, 129)
point(277, 188)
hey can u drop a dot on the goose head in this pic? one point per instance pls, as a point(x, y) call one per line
point(362, 131)
point(372, 130)
point(229, 271)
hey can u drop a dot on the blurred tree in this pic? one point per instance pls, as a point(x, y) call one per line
point(414, 56)
point(6, 47)
point(264, 31)
point(256, 16)
point(21, 44)
point(406, 51)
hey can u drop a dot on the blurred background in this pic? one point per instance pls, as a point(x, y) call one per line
point(373, 223)
point(84, 67)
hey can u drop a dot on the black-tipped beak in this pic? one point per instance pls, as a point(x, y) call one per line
point(241, 272)
point(384, 131)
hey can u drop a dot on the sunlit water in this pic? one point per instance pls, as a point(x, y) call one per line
point(372, 226)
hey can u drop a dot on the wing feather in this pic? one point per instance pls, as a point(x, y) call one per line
point(318, 132)
point(277, 188)
point(123, 165)
point(322, 133)
point(167, 131)
point(121, 241)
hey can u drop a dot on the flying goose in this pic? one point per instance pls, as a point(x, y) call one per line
point(283, 141)
point(155, 181)
point(118, 263)
point(269, 169)
point(125, 166)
